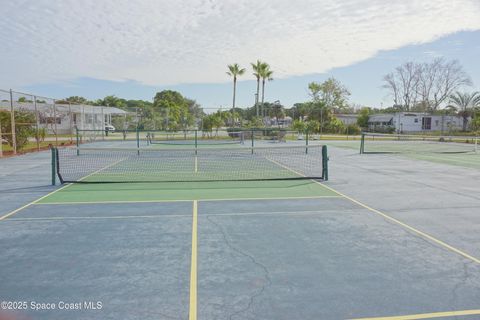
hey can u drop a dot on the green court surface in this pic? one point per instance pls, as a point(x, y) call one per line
point(158, 191)
point(465, 160)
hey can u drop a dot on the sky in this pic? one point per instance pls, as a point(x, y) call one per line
point(94, 48)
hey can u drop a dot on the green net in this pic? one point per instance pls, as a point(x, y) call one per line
point(195, 137)
point(400, 143)
point(114, 165)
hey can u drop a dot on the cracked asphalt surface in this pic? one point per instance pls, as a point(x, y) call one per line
point(318, 258)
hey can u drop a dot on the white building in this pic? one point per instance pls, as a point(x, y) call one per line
point(64, 118)
point(409, 122)
point(347, 119)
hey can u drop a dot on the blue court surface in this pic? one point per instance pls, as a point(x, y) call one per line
point(387, 237)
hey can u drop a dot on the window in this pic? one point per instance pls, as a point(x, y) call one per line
point(426, 123)
point(437, 123)
point(416, 120)
point(50, 120)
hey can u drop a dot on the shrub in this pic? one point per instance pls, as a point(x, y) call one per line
point(24, 122)
point(353, 129)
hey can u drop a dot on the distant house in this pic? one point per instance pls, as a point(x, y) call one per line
point(63, 118)
point(410, 122)
point(282, 122)
point(347, 119)
point(381, 122)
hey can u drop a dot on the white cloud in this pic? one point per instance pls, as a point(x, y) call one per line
point(167, 42)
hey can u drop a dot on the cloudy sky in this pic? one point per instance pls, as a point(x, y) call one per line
point(134, 48)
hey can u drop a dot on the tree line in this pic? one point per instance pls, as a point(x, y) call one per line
point(429, 86)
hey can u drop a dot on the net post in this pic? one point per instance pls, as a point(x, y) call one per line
point(325, 163)
point(54, 165)
point(77, 140)
point(362, 143)
point(306, 142)
point(253, 139)
point(138, 141)
point(196, 141)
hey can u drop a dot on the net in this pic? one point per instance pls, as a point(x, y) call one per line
point(196, 137)
point(93, 136)
point(115, 165)
point(399, 143)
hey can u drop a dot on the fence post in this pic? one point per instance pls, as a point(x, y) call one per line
point(54, 165)
point(70, 116)
point(104, 132)
point(55, 123)
point(12, 120)
point(1, 141)
point(37, 121)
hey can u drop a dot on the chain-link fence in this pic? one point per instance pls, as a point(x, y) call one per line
point(32, 123)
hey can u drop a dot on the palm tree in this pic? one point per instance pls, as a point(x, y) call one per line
point(256, 72)
point(266, 75)
point(465, 101)
point(234, 71)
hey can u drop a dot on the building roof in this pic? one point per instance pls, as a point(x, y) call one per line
point(63, 108)
point(380, 117)
point(343, 115)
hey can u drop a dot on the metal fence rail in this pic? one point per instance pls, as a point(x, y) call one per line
point(31, 122)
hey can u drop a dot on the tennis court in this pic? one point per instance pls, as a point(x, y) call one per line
point(386, 236)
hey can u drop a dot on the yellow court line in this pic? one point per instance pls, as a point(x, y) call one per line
point(11, 213)
point(192, 315)
point(406, 226)
point(426, 315)
point(182, 200)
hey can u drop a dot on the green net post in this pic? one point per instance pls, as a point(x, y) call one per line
point(325, 163)
point(362, 143)
point(306, 142)
point(138, 141)
point(253, 139)
point(54, 165)
point(196, 141)
point(77, 140)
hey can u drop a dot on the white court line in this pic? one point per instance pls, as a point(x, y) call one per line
point(11, 213)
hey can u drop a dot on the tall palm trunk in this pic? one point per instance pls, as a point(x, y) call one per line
point(263, 97)
point(465, 119)
point(234, 90)
point(256, 97)
point(234, 93)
